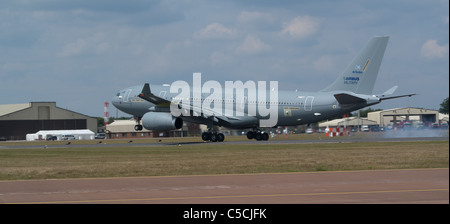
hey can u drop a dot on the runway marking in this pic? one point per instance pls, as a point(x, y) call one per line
point(220, 175)
point(236, 196)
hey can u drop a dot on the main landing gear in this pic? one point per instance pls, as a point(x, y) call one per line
point(258, 135)
point(213, 136)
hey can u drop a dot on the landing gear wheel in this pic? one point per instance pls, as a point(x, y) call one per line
point(214, 137)
point(250, 135)
point(206, 136)
point(258, 136)
point(138, 127)
point(264, 136)
point(220, 137)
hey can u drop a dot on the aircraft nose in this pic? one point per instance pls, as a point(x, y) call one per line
point(116, 100)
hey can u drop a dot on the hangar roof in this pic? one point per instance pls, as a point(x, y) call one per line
point(350, 121)
point(30, 111)
point(405, 110)
point(11, 108)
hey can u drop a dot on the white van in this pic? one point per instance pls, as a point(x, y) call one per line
point(365, 128)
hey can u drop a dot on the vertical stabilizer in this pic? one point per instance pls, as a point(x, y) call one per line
point(361, 74)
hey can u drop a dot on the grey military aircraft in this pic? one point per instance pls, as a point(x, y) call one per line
point(152, 105)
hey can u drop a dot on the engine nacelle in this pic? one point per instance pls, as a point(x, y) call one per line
point(161, 121)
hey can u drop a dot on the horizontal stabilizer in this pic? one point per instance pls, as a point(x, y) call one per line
point(344, 98)
point(393, 97)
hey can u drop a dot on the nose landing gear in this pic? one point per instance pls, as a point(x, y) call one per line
point(138, 126)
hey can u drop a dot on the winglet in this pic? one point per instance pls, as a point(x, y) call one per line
point(146, 89)
point(389, 91)
point(147, 95)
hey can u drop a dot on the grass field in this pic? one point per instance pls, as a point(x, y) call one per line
point(129, 160)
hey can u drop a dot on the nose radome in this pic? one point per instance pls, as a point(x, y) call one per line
point(116, 100)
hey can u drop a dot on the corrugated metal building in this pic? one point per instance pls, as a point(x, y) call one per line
point(391, 116)
point(18, 120)
point(348, 122)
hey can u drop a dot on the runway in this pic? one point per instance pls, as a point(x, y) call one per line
point(340, 187)
point(245, 142)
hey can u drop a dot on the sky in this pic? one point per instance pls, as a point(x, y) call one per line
point(79, 54)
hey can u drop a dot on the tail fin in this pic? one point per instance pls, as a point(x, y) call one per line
point(360, 75)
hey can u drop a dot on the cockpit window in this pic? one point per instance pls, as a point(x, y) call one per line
point(118, 94)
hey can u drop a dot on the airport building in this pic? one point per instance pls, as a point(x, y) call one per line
point(397, 116)
point(392, 118)
point(18, 120)
point(125, 129)
point(349, 122)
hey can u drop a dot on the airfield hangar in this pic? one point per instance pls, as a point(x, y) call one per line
point(18, 120)
point(395, 115)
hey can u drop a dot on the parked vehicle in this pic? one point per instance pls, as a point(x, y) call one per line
point(51, 138)
point(68, 137)
point(100, 136)
point(365, 128)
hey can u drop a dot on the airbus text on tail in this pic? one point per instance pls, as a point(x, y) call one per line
point(361, 74)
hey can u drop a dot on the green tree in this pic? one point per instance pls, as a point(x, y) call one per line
point(444, 107)
point(100, 122)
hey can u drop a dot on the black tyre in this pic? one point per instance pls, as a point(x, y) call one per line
point(265, 136)
point(206, 136)
point(220, 137)
point(214, 137)
point(250, 135)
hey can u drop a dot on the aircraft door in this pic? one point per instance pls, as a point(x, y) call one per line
point(309, 103)
point(126, 96)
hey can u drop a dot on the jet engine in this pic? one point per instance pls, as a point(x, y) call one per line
point(161, 121)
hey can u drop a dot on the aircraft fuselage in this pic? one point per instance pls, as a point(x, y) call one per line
point(294, 107)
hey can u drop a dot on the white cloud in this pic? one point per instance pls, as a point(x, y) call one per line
point(431, 49)
point(324, 63)
point(301, 26)
point(215, 31)
point(92, 45)
point(220, 59)
point(252, 45)
point(74, 48)
point(255, 17)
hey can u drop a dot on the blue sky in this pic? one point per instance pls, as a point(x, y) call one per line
point(80, 53)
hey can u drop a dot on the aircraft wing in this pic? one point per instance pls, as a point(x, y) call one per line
point(208, 112)
point(147, 95)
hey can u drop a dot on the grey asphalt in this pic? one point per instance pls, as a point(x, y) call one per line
point(410, 186)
